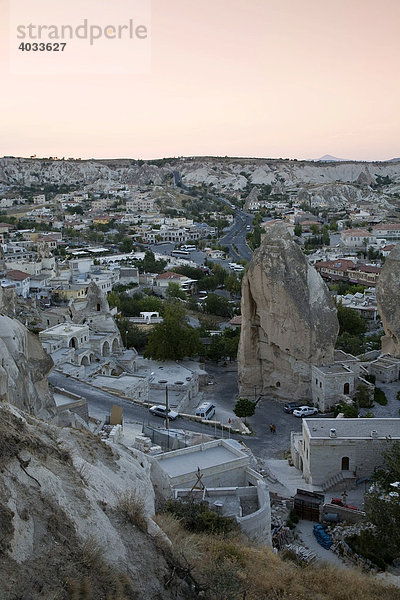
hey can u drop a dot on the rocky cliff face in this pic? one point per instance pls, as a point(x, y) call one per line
point(75, 517)
point(388, 299)
point(223, 173)
point(24, 366)
point(289, 321)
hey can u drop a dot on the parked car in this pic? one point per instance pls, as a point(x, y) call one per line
point(305, 411)
point(289, 407)
point(161, 411)
point(339, 502)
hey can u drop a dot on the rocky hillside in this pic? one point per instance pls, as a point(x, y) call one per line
point(224, 173)
point(75, 517)
point(24, 365)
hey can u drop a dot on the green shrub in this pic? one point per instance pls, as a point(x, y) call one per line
point(349, 410)
point(380, 397)
point(197, 517)
point(363, 397)
point(398, 396)
point(294, 517)
point(371, 547)
point(370, 415)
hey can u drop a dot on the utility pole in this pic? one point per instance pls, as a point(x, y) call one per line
point(167, 408)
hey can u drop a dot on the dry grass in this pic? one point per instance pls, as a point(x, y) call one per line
point(131, 506)
point(231, 569)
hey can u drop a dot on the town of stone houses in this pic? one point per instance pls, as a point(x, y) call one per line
point(198, 347)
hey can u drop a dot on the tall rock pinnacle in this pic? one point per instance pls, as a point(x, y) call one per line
point(289, 321)
point(388, 300)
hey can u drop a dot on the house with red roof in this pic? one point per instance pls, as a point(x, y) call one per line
point(19, 280)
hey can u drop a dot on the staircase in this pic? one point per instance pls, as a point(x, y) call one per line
point(332, 482)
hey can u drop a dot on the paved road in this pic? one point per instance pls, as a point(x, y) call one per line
point(223, 393)
point(100, 403)
point(236, 236)
point(263, 443)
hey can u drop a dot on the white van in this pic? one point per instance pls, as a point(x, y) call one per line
point(206, 410)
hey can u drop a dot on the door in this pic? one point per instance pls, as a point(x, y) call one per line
point(345, 463)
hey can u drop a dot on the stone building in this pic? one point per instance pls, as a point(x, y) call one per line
point(329, 383)
point(385, 368)
point(88, 342)
point(227, 483)
point(330, 451)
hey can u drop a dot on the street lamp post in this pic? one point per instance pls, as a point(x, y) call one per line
point(166, 408)
point(126, 339)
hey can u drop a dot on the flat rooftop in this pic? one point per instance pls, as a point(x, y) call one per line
point(334, 369)
point(203, 456)
point(340, 356)
point(122, 383)
point(63, 328)
point(62, 399)
point(353, 428)
point(169, 372)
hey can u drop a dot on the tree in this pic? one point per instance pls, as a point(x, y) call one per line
point(217, 305)
point(173, 339)
point(216, 349)
point(326, 240)
point(232, 284)
point(350, 321)
point(353, 344)
point(149, 264)
point(135, 338)
point(126, 245)
point(174, 291)
point(363, 397)
point(298, 230)
point(382, 503)
point(244, 408)
point(114, 300)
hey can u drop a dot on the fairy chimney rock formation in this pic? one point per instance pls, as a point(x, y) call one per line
point(24, 366)
point(388, 300)
point(289, 321)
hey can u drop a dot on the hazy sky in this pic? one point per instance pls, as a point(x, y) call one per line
point(273, 78)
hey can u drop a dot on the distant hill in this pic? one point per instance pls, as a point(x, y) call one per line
point(394, 160)
point(330, 158)
point(226, 174)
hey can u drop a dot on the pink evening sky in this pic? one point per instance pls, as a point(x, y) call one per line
point(276, 78)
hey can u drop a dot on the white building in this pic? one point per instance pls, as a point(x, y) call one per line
point(102, 204)
point(329, 451)
point(387, 231)
point(357, 238)
point(20, 280)
point(227, 483)
point(140, 204)
point(6, 202)
point(80, 266)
